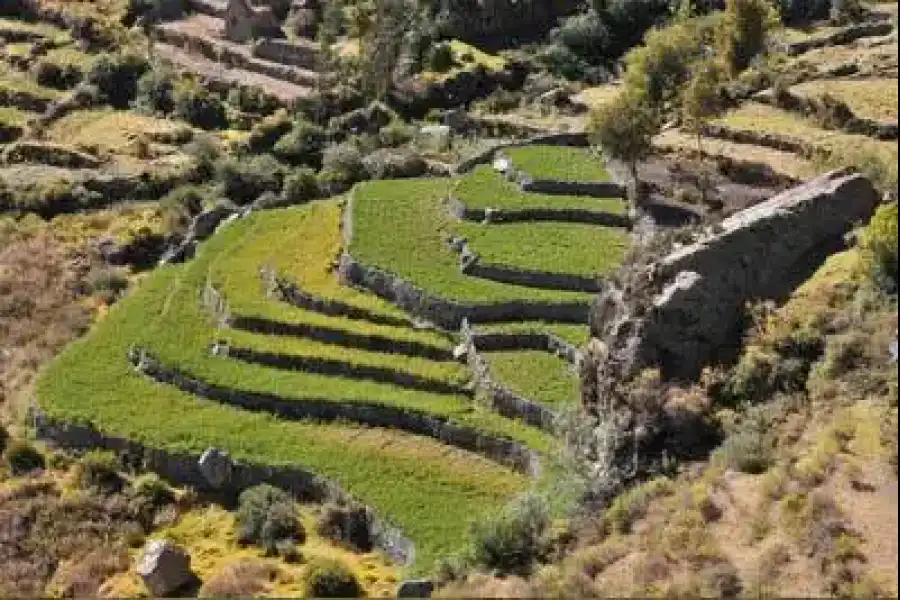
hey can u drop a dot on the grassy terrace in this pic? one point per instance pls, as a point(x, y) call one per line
point(15, 81)
point(484, 188)
point(401, 227)
point(753, 115)
point(574, 248)
point(869, 98)
point(577, 335)
point(535, 375)
point(109, 129)
point(13, 116)
point(428, 489)
point(556, 162)
point(309, 246)
point(38, 27)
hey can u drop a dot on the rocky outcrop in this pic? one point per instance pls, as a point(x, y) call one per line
point(691, 304)
point(164, 567)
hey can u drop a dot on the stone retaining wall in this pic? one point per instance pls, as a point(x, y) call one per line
point(449, 314)
point(501, 450)
point(553, 139)
point(531, 340)
point(500, 398)
point(23, 101)
point(693, 308)
point(339, 337)
point(183, 469)
point(45, 153)
point(840, 37)
point(472, 265)
point(775, 141)
point(322, 366)
point(289, 53)
point(286, 291)
point(553, 187)
point(563, 215)
point(225, 55)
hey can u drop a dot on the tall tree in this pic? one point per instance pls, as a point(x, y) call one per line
point(624, 129)
point(702, 100)
point(384, 45)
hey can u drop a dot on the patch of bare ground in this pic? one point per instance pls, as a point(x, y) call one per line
point(786, 163)
point(283, 90)
point(39, 308)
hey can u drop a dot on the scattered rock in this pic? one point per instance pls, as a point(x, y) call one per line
point(164, 567)
point(460, 351)
point(415, 588)
point(216, 467)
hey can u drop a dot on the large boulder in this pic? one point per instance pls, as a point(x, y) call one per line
point(216, 466)
point(164, 567)
point(692, 303)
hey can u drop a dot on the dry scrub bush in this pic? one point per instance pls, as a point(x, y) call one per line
point(240, 579)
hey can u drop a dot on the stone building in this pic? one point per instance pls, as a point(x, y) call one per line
point(245, 22)
point(497, 21)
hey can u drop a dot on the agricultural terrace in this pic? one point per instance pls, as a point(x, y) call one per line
point(428, 489)
point(403, 226)
point(875, 99)
point(536, 375)
point(558, 162)
point(756, 116)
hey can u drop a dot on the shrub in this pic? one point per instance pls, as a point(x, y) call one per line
point(804, 11)
point(244, 180)
point(241, 579)
point(98, 469)
point(343, 164)
point(347, 525)
point(107, 283)
point(741, 33)
point(396, 134)
point(300, 186)
point(21, 458)
point(440, 58)
point(266, 515)
point(156, 91)
point(116, 77)
point(4, 438)
point(749, 448)
point(251, 100)
point(200, 108)
point(879, 246)
point(385, 164)
point(205, 153)
point(303, 145)
point(266, 132)
point(152, 489)
point(329, 579)
point(514, 541)
point(50, 74)
point(180, 206)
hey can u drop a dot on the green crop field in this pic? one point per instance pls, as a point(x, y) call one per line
point(577, 335)
point(535, 375)
point(484, 188)
point(573, 248)
point(402, 227)
point(430, 490)
point(558, 162)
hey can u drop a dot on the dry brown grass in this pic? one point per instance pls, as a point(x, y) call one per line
point(869, 98)
point(241, 579)
point(72, 542)
point(39, 312)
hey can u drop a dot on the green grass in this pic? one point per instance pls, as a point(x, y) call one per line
point(14, 81)
point(39, 27)
point(309, 244)
point(573, 248)
point(484, 188)
point(13, 116)
point(558, 162)
point(536, 375)
point(429, 490)
point(401, 227)
point(577, 335)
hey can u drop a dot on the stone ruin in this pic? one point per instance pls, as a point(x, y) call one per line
point(690, 306)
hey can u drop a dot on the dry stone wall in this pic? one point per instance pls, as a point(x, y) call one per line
point(501, 450)
point(693, 304)
point(184, 469)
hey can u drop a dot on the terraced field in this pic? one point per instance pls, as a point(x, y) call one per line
point(255, 346)
point(875, 98)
